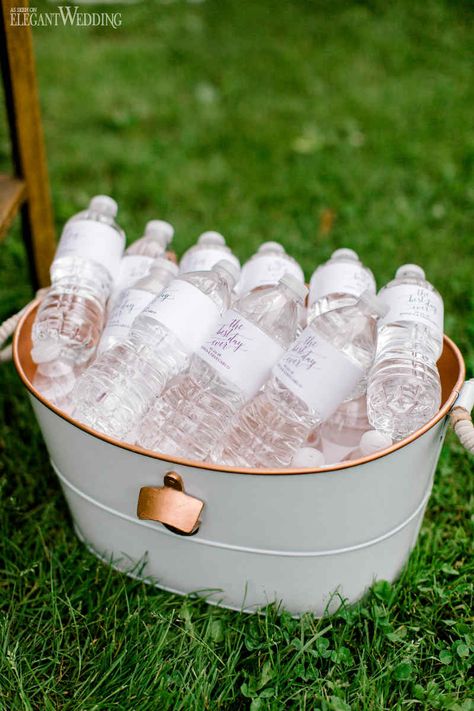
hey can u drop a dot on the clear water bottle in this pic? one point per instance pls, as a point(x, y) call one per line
point(404, 389)
point(134, 300)
point(314, 438)
point(55, 381)
point(308, 457)
point(117, 389)
point(70, 319)
point(226, 372)
point(269, 263)
point(208, 250)
point(307, 385)
point(140, 255)
point(370, 442)
point(341, 432)
point(338, 282)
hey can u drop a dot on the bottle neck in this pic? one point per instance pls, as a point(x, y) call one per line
point(290, 295)
point(227, 278)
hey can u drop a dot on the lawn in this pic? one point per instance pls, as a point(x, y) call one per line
point(319, 124)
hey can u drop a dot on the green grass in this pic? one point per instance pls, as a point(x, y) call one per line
point(253, 118)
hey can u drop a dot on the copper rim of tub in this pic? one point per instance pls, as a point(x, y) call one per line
point(450, 365)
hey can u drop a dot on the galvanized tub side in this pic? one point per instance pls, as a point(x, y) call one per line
point(296, 536)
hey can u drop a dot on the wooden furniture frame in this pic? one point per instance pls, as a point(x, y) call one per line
point(27, 191)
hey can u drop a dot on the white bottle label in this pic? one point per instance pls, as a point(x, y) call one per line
point(409, 302)
point(92, 240)
point(340, 278)
point(241, 353)
point(132, 303)
point(188, 313)
point(267, 270)
point(204, 259)
point(132, 268)
point(318, 373)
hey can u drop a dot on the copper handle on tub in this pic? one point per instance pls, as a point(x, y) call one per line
point(170, 505)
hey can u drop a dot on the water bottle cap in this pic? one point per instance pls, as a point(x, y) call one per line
point(163, 263)
point(56, 368)
point(230, 268)
point(44, 351)
point(374, 302)
point(213, 238)
point(267, 247)
point(345, 253)
point(104, 204)
point(308, 457)
point(296, 286)
point(160, 230)
point(373, 440)
point(410, 270)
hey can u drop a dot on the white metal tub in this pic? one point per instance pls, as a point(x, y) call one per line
point(292, 536)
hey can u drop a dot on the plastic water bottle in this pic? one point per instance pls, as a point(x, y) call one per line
point(117, 389)
point(208, 250)
point(138, 258)
point(308, 457)
point(314, 438)
point(70, 319)
point(338, 282)
point(307, 385)
point(269, 263)
point(404, 389)
point(341, 432)
point(55, 381)
point(371, 441)
point(134, 300)
point(226, 372)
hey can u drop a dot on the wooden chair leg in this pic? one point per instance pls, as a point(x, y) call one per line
point(29, 157)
